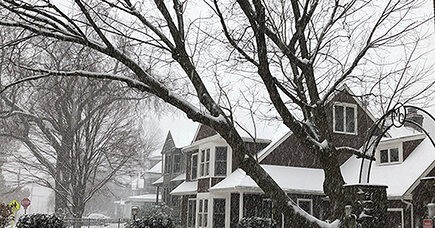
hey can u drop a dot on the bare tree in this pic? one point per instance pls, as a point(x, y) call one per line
point(81, 133)
point(298, 52)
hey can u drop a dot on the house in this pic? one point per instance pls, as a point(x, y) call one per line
point(173, 167)
point(216, 193)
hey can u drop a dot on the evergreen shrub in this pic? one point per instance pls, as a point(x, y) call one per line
point(40, 220)
point(256, 222)
point(159, 216)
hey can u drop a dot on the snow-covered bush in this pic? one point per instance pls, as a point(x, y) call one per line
point(256, 222)
point(40, 220)
point(159, 216)
point(5, 214)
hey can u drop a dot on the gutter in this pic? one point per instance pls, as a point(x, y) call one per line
point(412, 211)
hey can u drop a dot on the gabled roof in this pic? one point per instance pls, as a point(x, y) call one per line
point(283, 132)
point(401, 178)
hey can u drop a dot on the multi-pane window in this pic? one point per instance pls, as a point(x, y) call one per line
point(191, 213)
point(177, 163)
point(202, 213)
point(194, 167)
point(306, 205)
point(345, 118)
point(220, 168)
point(218, 213)
point(390, 155)
point(204, 167)
point(168, 164)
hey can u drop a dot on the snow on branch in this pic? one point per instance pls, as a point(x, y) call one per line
point(356, 152)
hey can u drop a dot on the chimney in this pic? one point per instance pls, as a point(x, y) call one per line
point(412, 115)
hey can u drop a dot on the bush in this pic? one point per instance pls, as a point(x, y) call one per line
point(256, 222)
point(40, 220)
point(5, 214)
point(159, 216)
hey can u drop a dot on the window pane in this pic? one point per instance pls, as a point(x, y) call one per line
point(177, 163)
point(350, 119)
point(220, 168)
point(201, 170)
point(221, 161)
point(207, 169)
point(168, 164)
point(205, 205)
point(200, 205)
point(194, 164)
point(267, 208)
point(219, 213)
point(384, 156)
point(207, 156)
point(339, 118)
point(200, 220)
point(394, 155)
point(202, 155)
point(192, 213)
point(205, 220)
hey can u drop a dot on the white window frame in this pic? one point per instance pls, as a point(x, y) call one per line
point(401, 214)
point(344, 105)
point(206, 162)
point(388, 147)
point(306, 200)
point(200, 214)
point(197, 166)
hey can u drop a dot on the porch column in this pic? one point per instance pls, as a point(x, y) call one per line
point(241, 206)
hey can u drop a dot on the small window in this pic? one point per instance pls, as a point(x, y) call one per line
point(389, 155)
point(177, 163)
point(306, 205)
point(218, 213)
point(168, 164)
point(194, 165)
point(204, 167)
point(202, 213)
point(345, 118)
point(221, 161)
point(191, 214)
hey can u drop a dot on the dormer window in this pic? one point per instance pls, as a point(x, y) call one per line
point(344, 117)
point(177, 163)
point(389, 154)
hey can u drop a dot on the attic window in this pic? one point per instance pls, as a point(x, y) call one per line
point(389, 155)
point(344, 117)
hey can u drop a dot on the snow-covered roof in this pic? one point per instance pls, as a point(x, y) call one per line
point(158, 181)
point(290, 179)
point(186, 188)
point(155, 155)
point(400, 178)
point(157, 168)
point(143, 198)
point(180, 177)
point(281, 134)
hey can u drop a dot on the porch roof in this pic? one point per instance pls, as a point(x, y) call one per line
point(186, 188)
point(158, 181)
point(290, 179)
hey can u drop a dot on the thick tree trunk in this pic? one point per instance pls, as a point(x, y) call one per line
point(333, 183)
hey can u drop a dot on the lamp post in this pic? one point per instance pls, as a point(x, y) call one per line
point(134, 212)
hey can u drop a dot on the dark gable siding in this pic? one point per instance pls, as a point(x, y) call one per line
point(169, 144)
point(204, 132)
point(292, 153)
point(409, 146)
point(203, 184)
